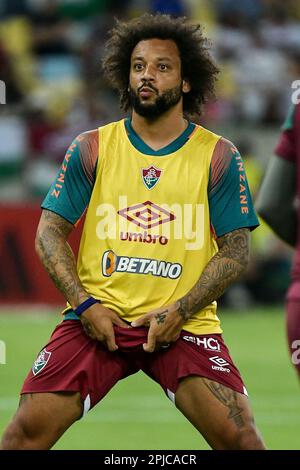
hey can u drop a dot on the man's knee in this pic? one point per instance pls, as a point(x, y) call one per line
point(17, 436)
point(41, 420)
point(247, 438)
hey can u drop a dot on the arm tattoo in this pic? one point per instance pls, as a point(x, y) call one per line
point(57, 256)
point(222, 270)
point(229, 398)
point(87, 327)
point(160, 317)
point(24, 397)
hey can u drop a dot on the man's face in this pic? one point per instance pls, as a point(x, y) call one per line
point(155, 82)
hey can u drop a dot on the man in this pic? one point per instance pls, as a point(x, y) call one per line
point(278, 205)
point(166, 232)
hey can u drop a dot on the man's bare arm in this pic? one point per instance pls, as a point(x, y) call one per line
point(165, 323)
point(57, 256)
point(222, 270)
point(58, 259)
point(275, 201)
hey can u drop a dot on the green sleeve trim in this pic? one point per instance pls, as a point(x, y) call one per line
point(70, 192)
point(70, 315)
point(230, 202)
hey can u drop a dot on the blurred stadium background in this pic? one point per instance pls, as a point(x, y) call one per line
point(50, 52)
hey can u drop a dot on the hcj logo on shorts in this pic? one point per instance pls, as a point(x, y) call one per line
point(151, 176)
point(41, 362)
point(123, 264)
point(211, 344)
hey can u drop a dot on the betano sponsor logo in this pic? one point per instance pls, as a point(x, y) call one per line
point(123, 264)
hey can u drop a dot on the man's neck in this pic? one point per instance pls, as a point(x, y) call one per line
point(162, 131)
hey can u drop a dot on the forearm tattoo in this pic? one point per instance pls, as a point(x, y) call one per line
point(58, 258)
point(87, 327)
point(160, 317)
point(229, 398)
point(222, 270)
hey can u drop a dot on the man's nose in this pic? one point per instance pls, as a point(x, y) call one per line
point(149, 73)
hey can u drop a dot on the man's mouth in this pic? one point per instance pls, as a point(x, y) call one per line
point(145, 92)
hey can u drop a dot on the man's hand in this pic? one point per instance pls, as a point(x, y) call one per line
point(98, 323)
point(164, 327)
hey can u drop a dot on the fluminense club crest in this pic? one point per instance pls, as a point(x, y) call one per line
point(151, 176)
point(41, 361)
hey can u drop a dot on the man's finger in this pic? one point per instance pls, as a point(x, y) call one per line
point(110, 340)
point(88, 329)
point(144, 320)
point(151, 343)
point(119, 322)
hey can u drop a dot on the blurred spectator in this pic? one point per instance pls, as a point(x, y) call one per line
point(279, 29)
point(49, 29)
point(14, 8)
point(170, 7)
point(260, 95)
point(233, 13)
point(13, 93)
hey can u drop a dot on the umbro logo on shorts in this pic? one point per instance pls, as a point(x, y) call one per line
point(221, 363)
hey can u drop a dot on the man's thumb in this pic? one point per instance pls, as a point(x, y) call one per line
point(139, 321)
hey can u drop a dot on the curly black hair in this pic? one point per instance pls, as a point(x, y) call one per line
point(197, 65)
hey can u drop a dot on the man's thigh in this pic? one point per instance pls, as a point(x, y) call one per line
point(71, 374)
point(199, 376)
point(73, 362)
point(222, 415)
point(194, 355)
point(41, 419)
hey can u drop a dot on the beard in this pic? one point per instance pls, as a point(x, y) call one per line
point(162, 104)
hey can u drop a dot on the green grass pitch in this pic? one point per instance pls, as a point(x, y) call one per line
point(137, 415)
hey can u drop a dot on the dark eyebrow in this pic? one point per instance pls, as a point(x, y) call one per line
point(159, 58)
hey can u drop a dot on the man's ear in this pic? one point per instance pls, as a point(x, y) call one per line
point(186, 87)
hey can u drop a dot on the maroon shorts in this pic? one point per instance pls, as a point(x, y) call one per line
point(71, 361)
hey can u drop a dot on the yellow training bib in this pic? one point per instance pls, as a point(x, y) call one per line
point(147, 236)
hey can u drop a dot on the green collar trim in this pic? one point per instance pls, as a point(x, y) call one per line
point(142, 147)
